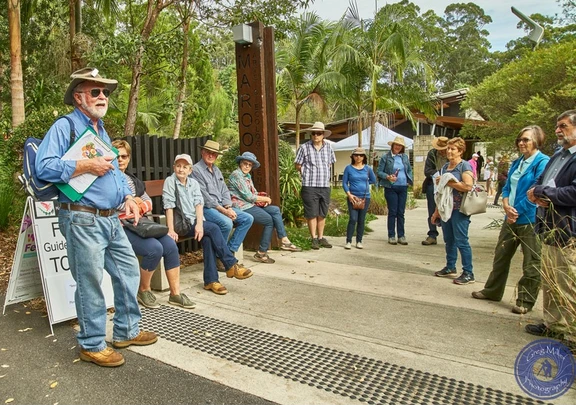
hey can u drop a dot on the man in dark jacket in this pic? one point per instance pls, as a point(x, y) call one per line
point(434, 161)
point(555, 194)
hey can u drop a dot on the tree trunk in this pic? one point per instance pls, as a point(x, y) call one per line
point(359, 127)
point(72, 29)
point(298, 126)
point(182, 79)
point(153, 10)
point(16, 81)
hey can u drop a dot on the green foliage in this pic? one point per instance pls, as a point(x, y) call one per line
point(227, 162)
point(6, 204)
point(378, 204)
point(532, 90)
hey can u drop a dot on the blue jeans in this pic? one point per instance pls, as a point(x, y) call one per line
point(432, 228)
point(455, 233)
point(213, 245)
point(95, 243)
point(357, 219)
point(242, 223)
point(153, 249)
point(269, 217)
point(396, 197)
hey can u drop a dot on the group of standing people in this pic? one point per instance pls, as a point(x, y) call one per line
point(96, 241)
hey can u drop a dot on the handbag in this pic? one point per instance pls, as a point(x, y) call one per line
point(261, 203)
point(474, 201)
point(360, 203)
point(146, 228)
point(182, 225)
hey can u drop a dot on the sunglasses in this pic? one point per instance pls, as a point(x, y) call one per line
point(523, 140)
point(96, 92)
point(123, 156)
point(317, 133)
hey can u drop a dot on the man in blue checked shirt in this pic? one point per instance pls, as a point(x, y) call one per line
point(313, 161)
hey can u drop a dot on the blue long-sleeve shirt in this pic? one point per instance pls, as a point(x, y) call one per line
point(356, 181)
point(107, 191)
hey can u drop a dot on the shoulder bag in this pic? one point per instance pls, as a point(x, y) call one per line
point(360, 203)
point(474, 201)
point(182, 225)
point(146, 228)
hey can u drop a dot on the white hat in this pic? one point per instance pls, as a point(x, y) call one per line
point(185, 157)
point(317, 127)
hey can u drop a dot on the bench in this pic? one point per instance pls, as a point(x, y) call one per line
point(159, 281)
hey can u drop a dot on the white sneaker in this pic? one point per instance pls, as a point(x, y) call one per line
point(359, 245)
point(348, 245)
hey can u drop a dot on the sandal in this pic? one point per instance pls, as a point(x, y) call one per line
point(263, 258)
point(290, 247)
point(216, 288)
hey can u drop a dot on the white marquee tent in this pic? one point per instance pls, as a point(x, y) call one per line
point(383, 136)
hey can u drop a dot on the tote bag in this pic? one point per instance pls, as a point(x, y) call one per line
point(474, 201)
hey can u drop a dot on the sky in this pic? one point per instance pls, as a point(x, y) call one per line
point(502, 29)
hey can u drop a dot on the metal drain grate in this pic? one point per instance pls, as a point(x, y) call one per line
point(361, 378)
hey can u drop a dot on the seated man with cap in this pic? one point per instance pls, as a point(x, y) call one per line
point(191, 204)
point(217, 200)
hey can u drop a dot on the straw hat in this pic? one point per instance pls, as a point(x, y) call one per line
point(87, 74)
point(212, 146)
point(440, 143)
point(250, 157)
point(398, 140)
point(359, 151)
point(317, 127)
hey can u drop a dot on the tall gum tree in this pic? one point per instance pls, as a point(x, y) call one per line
point(16, 76)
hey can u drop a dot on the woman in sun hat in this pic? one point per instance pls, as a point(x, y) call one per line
point(246, 197)
point(395, 174)
point(358, 176)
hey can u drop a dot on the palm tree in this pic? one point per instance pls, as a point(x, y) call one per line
point(305, 69)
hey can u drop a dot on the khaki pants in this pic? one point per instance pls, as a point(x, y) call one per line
point(559, 288)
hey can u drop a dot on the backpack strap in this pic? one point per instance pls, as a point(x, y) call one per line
point(72, 131)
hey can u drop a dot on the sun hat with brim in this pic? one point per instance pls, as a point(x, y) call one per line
point(317, 127)
point(212, 146)
point(250, 157)
point(440, 143)
point(185, 157)
point(87, 74)
point(398, 140)
point(359, 151)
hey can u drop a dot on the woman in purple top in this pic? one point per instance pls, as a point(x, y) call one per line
point(356, 183)
point(245, 197)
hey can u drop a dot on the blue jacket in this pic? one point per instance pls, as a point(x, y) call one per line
point(386, 167)
point(526, 209)
point(557, 223)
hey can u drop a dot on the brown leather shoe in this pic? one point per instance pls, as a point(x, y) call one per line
point(216, 288)
point(143, 339)
point(105, 358)
point(239, 271)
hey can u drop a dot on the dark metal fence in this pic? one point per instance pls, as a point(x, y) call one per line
point(152, 159)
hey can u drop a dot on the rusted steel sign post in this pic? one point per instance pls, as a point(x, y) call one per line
point(255, 72)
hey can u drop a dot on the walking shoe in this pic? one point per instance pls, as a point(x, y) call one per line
point(541, 330)
point(220, 266)
point(392, 241)
point(429, 241)
point(348, 245)
point(104, 358)
point(324, 243)
point(147, 299)
point(359, 245)
point(519, 309)
point(445, 272)
point(181, 300)
point(264, 258)
point(315, 244)
point(479, 295)
point(142, 339)
point(216, 288)
point(402, 241)
point(238, 271)
point(465, 278)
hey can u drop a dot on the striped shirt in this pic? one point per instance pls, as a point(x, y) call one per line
point(315, 164)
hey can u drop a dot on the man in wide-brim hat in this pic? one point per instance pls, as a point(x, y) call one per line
point(94, 237)
point(217, 200)
point(313, 161)
point(435, 159)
